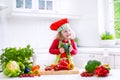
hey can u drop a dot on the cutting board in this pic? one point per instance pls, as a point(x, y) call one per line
point(74, 71)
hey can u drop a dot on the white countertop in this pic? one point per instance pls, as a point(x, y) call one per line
point(114, 75)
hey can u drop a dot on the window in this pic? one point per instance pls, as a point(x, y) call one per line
point(49, 5)
point(33, 4)
point(45, 4)
point(106, 16)
point(117, 18)
point(19, 3)
point(42, 4)
point(112, 11)
point(27, 4)
point(112, 16)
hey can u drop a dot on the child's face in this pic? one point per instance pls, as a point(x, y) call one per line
point(66, 33)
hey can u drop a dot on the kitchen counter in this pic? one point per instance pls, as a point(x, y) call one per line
point(114, 75)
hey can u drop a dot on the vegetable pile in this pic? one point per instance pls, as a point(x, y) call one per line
point(91, 65)
point(12, 69)
point(101, 71)
point(16, 61)
point(61, 64)
point(95, 67)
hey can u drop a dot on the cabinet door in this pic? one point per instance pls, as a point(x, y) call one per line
point(81, 59)
point(110, 59)
point(22, 5)
point(117, 62)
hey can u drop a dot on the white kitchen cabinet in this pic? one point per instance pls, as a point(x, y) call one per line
point(117, 61)
point(81, 59)
point(33, 8)
point(47, 8)
point(33, 5)
point(110, 59)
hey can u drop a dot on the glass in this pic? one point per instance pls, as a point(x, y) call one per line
point(117, 10)
point(116, 0)
point(19, 3)
point(49, 5)
point(42, 4)
point(117, 29)
point(28, 4)
point(117, 19)
point(34, 57)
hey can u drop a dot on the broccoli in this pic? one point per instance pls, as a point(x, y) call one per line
point(91, 65)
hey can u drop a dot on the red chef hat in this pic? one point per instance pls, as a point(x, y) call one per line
point(59, 25)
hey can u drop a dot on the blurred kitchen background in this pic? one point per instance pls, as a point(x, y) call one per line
point(25, 22)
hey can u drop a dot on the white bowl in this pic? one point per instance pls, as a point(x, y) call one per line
point(107, 43)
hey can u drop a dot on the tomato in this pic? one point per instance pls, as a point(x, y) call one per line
point(21, 76)
point(48, 68)
point(52, 66)
point(56, 68)
point(86, 74)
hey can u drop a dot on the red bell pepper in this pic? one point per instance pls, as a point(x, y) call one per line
point(62, 62)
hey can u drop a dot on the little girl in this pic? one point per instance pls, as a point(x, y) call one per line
point(65, 35)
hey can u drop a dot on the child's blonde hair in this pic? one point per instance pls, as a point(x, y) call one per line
point(60, 37)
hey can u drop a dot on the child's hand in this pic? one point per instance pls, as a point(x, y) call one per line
point(70, 48)
point(62, 50)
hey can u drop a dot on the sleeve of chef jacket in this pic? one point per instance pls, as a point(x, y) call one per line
point(54, 47)
point(74, 51)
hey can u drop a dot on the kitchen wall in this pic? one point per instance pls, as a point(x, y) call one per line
point(22, 30)
point(1, 32)
point(33, 31)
